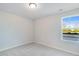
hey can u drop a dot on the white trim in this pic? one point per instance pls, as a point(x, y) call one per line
point(69, 16)
point(23, 43)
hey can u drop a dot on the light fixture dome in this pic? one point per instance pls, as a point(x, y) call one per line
point(32, 5)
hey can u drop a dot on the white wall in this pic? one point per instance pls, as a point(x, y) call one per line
point(14, 31)
point(48, 32)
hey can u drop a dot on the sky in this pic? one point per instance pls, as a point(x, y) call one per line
point(73, 19)
point(71, 22)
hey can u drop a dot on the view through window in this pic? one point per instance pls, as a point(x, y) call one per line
point(71, 28)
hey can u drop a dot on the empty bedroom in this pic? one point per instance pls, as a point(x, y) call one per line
point(39, 29)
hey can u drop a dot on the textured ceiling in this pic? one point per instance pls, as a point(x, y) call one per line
point(44, 10)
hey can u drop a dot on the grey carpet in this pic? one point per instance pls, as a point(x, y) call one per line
point(34, 49)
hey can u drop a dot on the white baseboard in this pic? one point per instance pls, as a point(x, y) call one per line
point(15, 45)
point(74, 53)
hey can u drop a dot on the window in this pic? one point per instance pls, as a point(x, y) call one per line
point(70, 28)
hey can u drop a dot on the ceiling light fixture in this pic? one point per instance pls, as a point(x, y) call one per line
point(32, 5)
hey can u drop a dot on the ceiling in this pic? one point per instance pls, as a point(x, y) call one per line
point(45, 9)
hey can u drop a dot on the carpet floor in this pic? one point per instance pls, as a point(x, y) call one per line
point(34, 49)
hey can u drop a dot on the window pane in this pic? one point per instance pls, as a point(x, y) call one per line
point(71, 28)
